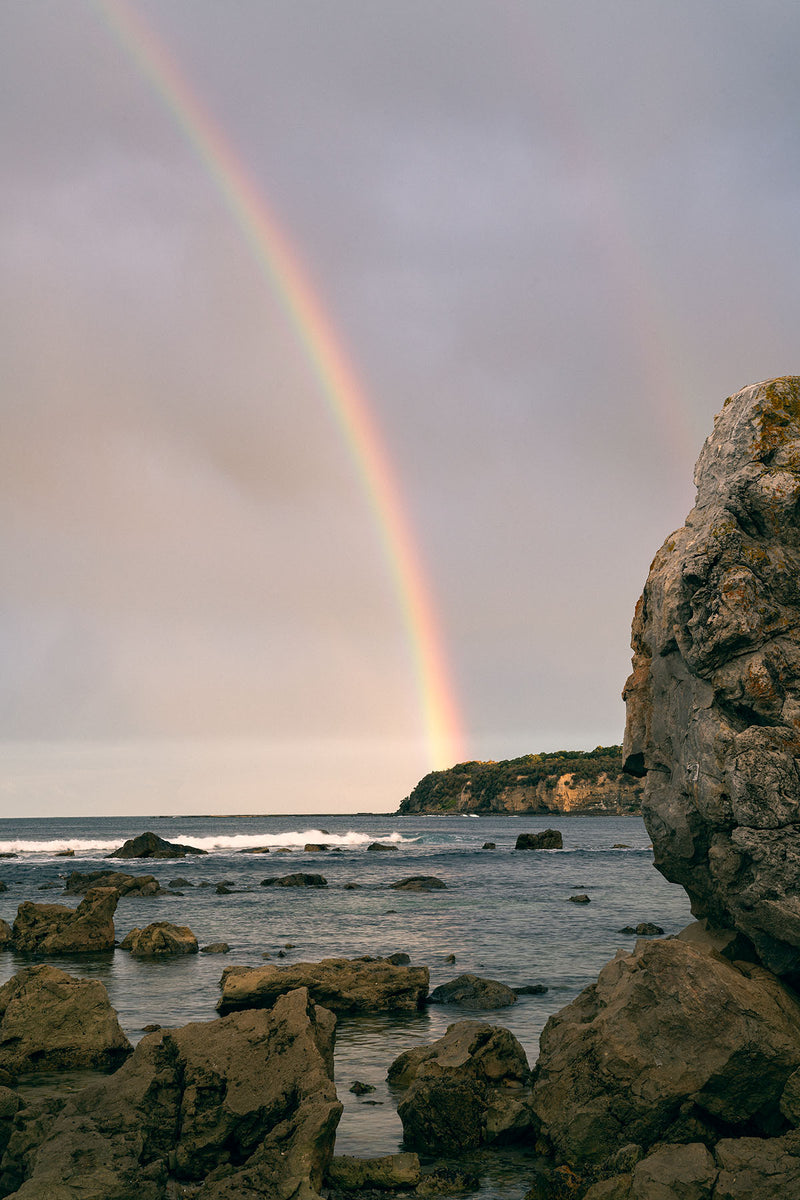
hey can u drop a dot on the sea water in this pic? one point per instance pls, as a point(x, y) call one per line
point(505, 914)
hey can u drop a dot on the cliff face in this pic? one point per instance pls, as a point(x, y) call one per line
point(563, 782)
point(713, 703)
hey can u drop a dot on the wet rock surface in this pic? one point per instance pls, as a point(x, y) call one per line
point(150, 845)
point(473, 991)
point(224, 1110)
point(419, 883)
point(465, 1090)
point(160, 939)
point(50, 1021)
point(78, 883)
point(58, 929)
point(713, 702)
point(548, 839)
point(296, 879)
point(343, 985)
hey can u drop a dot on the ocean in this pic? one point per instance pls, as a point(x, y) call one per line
point(505, 914)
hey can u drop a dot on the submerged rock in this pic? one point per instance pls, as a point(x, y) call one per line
point(343, 985)
point(58, 929)
point(548, 839)
point(713, 703)
point(419, 883)
point(467, 1089)
point(472, 991)
point(150, 845)
point(296, 879)
point(50, 1021)
point(389, 1173)
point(159, 939)
point(672, 1040)
point(227, 1110)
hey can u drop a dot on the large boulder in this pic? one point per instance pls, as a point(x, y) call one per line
point(58, 929)
point(467, 1089)
point(713, 703)
point(79, 882)
point(159, 940)
point(472, 991)
point(548, 839)
point(344, 985)
point(673, 1043)
point(231, 1109)
point(50, 1021)
point(150, 845)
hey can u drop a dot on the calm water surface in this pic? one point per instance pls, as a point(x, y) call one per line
point(505, 914)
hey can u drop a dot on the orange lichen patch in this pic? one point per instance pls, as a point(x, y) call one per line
point(758, 683)
point(779, 415)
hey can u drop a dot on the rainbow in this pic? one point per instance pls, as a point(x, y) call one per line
point(281, 266)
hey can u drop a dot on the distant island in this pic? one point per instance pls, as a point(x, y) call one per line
point(589, 782)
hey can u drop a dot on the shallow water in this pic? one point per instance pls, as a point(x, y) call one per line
point(505, 914)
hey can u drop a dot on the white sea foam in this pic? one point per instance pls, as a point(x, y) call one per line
point(292, 839)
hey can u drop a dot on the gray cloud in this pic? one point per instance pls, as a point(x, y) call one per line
point(553, 238)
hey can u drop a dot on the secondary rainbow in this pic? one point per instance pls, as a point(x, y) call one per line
point(338, 383)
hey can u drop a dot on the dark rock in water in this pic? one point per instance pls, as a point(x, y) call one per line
point(444, 1179)
point(620, 846)
point(387, 1174)
point(673, 1043)
point(351, 887)
point(65, 854)
point(297, 879)
point(180, 882)
point(468, 1089)
point(548, 839)
point(160, 940)
point(713, 703)
point(314, 847)
point(531, 989)
point(48, 886)
point(489, 846)
point(380, 846)
point(50, 1021)
point(643, 929)
point(3, 886)
point(150, 845)
point(581, 898)
point(471, 991)
point(236, 1108)
point(216, 948)
point(361, 1089)
point(57, 929)
point(222, 889)
point(451, 958)
point(255, 850)
point(6, 935)
point(343, 985)
point(398, 960)
point(419, 883)
point(8, 854)
point(78, 883)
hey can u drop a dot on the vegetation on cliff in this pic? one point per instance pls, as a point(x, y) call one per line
point(443, 791)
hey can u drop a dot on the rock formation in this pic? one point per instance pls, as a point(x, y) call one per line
point(78, 883)
point(50, 1021)
point(239, 1107)
point(672, 1042)
point(419, 883)
point(150, 845)
point(344, 985)
point(472, 991)
point(713, 703)
point(296, 879)
point(58, 929)
point(548, 839)
point(465, 1090)
point(160, 940)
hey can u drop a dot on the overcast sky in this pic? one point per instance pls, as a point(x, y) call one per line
point(551, 237)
